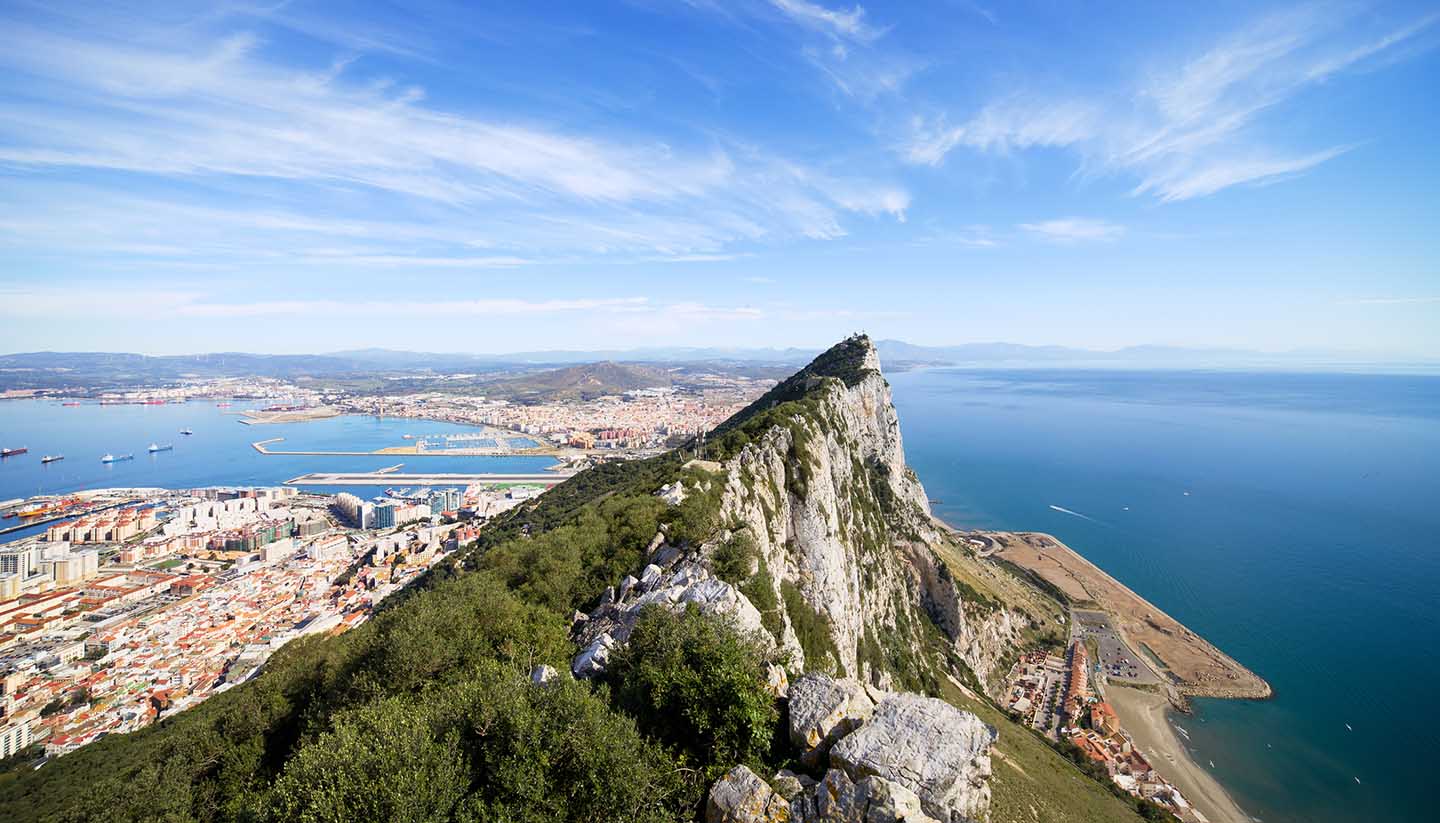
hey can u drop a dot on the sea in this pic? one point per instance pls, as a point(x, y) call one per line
point(217, 454)
point(1291, 519)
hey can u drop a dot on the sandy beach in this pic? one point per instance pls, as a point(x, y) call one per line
point(1143, 715)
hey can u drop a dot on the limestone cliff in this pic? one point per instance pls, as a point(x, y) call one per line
point(842, 561)
point(843, 533)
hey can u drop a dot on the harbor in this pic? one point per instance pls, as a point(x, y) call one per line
point(381, 478)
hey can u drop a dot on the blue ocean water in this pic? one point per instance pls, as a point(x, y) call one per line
point(1306, 548)
point(217, 454)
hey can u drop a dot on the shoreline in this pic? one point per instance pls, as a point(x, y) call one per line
point(1145, 717)
point(1189, 664)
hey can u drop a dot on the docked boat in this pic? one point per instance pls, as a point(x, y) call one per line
point(51, 458)
point(186, 432)
point(110, 458)
point(13, 452)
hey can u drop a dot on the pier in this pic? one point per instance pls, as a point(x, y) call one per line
point(540, 450)
point(441, 479)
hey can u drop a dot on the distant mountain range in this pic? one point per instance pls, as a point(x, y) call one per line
point(102, 369)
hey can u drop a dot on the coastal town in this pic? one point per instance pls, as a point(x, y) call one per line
point(110, 622)
point(1061, 695)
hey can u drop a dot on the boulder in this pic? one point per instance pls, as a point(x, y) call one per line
point(593, 659)
point(626, 586)
point(871, 800)
point(666, 556)
point(790, 785)
point(822, 710)
point(742, 797)
point(935, 750)
point(890, 802)
point(543, 674)
point(837, 799)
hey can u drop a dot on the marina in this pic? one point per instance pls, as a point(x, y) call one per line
point(381, 478)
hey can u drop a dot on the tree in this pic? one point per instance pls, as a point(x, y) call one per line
point(697, 682)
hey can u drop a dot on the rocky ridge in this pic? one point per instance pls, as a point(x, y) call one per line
point(841, 576)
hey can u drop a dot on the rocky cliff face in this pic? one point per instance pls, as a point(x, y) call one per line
point(844, 536)
point(840, 557)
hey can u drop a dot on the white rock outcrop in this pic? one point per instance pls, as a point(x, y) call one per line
point(928, 746)
point(741, 796)
point(836, 513)
point(822, 710)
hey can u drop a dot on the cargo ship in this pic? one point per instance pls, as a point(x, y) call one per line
point(71, 403)
point(110, 458)
point(186, 432)
point(51, 458)
point(13, 452)
point(165, 448)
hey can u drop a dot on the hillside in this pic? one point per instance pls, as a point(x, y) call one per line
point(712, 604)
point(582, 382)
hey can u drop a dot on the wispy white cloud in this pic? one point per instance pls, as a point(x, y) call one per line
point(40, 302)
point(1184, 131)
point(224, 109)
point(848, 25)
point(842, 45)
point(1198, 178)
point(1075, 230)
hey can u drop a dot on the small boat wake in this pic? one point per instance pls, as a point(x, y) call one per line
point(1072, 513)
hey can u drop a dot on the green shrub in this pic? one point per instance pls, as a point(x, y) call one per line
point(696, 682)
point(735, 557)
point(813, 630)
point(760, 590)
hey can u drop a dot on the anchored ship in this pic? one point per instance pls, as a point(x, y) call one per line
point(186, 431)
point(165, 448)
point(51, 458)
point(110, 458)
point(13, 452)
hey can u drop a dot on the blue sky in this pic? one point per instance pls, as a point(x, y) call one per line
point(305, 176)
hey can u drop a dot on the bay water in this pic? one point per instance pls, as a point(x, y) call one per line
point(217, 454)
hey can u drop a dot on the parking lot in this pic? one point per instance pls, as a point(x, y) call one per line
point(1117, 660)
